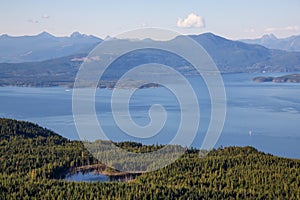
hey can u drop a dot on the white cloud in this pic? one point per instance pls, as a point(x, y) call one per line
point(251, 30)
point(287, 28)
point(192, 21)
point(45, 16)
point(292, 28)
point(33, 21)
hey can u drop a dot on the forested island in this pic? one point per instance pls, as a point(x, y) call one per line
point(291, 78)
point(33, 159)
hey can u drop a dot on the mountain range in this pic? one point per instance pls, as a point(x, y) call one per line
point(237, 56)
point(271, 41)
point(55, 61)
point(44, 46)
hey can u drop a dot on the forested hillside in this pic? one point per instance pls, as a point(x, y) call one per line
point(59, 67)
point(31, 158)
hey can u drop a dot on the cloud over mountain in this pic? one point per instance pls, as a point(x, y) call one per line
point(45, 16)
point(192, 21)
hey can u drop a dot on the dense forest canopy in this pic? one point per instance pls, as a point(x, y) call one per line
point(32, 159)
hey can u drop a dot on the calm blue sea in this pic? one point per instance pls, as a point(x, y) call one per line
point(263, 115)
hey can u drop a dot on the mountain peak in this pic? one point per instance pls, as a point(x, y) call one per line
point(270, 41)
point(45, 34)
point(210, 34)
point(207, 34)
point(4, 36)
point(269, 37)
point(205, 37)
point(78, 35)
point(109, 38)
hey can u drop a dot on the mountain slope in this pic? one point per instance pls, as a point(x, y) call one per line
point(32, 157)
point(43, 46)
point(236, 56)
point(272, 42)
point(230, 56)
point(28, 149)
point(54, 72)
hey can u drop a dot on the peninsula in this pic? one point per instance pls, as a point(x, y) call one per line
point(291, 78)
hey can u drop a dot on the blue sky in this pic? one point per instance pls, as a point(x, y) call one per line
point(233, 19)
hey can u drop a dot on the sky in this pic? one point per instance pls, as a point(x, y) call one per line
point(233, 19)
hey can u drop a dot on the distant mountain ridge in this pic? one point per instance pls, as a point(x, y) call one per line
point(44, 46)
point(272, 42)
point(230, 57)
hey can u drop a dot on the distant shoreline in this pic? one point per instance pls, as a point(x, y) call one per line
point(141, 84)
point(102, 85)
point(290, 78)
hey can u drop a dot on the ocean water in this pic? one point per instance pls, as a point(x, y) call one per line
point(263, 115)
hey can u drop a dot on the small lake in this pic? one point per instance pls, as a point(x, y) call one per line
point(87, 177)
point(93, 176)
point(263, 115)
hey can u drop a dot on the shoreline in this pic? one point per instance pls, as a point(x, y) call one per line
point(109, 84)
point(289, 78)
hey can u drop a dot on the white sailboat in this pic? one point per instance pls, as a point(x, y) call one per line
point(250, 133)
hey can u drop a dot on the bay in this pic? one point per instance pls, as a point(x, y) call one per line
point(263, 115)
